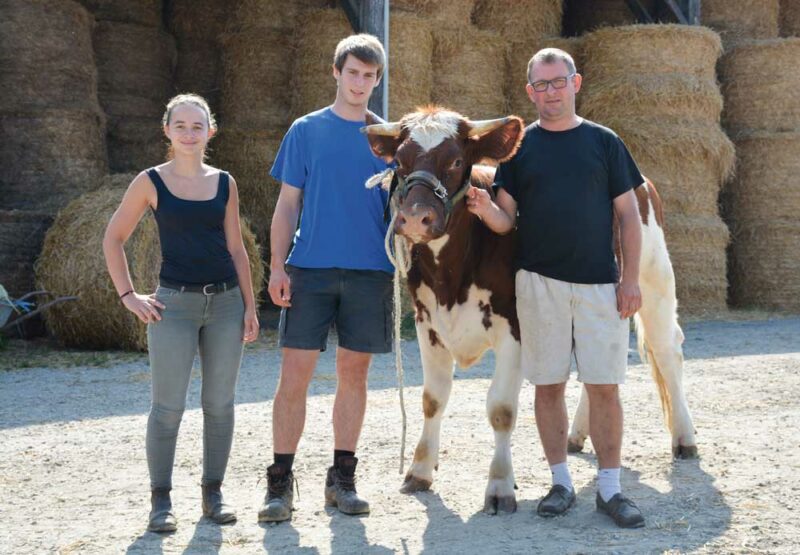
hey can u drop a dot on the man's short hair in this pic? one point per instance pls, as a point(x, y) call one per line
point(551, 56)
point(367, 48)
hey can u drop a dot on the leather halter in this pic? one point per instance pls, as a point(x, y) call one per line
point(426, 179)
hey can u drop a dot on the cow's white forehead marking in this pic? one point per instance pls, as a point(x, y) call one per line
point(429, 130)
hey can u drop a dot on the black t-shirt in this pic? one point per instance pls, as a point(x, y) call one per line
point(564, 183)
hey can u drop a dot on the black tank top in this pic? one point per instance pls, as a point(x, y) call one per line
point(192, 234)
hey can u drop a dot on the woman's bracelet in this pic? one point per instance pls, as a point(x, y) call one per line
point(125, 293)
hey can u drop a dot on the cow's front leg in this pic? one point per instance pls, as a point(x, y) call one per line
point(579, 430)
point(437, 369)
point(501, 407)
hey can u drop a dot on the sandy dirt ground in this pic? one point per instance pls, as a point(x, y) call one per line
point(73, 473)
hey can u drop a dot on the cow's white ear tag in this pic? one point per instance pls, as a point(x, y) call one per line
point(384, 179)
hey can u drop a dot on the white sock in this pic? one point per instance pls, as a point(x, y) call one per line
point(561, 477)
point(608, 483)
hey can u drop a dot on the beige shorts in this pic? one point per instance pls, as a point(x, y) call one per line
point(557, 319)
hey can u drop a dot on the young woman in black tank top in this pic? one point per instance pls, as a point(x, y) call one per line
point(204, 300)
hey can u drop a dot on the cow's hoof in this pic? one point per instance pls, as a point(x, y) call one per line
point(574, 446)
point(685, 452)
point(412, 484)
point(494, 504)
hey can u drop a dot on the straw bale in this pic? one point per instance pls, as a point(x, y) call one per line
point(411, 63)
point(201, 19)
point(765, 267)
point(21, 237)
point(767, 184)
point(50, 157)
point(135, 143)
point(513, 19)
point(46, 57)
point(469, 71)
point(135, 67)
point(519, 54)
point(790, 18)
point(140, 12)
point(256, 67)
point(741, 19)
point(760, 86)
point(614, 52)
point(72, 263)
point(581, 16)
point(452, 12)
point(697, 249)
point(199, 69)
point(313, 86)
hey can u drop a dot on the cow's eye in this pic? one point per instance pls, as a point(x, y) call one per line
point(457, 163)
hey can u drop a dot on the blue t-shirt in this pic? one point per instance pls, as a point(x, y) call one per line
point(341, 224)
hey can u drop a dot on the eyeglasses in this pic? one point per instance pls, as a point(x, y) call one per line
point(558, 83)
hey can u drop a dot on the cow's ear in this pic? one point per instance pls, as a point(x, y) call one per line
point(499, 144)
point(382, 146)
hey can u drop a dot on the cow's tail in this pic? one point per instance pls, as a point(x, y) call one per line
point(646, 354)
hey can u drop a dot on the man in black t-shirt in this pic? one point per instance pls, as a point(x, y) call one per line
point(567, 181)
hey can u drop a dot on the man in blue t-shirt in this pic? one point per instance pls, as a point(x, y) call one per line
point(337, 273)
point(563, 188)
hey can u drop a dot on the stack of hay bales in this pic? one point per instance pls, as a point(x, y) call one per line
point(72, 263)
point(789, 16)
point(762, 114)
point(135, 63)
point(410, 63)
point(655, 86)
point(448, 12)
point(582, 16)
point(51, 125)
point(525, 27)
point(737, 20)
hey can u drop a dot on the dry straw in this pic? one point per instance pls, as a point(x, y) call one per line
point(519, 54)
point(451, 12)
point(256, 72)
point(135, 143)
point(313, 86)
point(741, 19)
point(198, 70)
point(410, 63)
point(21, 237)
point(515, 19)
point(50, 158)
point(201, 19)
point(765, 267)
point(141, 12)
point(614, 52)
point(760, 85)
point(46, 57)
point(790, 18)
point(469, 71)
point(581, 16)
point(72, 263)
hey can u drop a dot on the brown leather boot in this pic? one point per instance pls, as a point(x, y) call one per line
point(278, 503)
point(214, 507)
point(340, 488)
point(161, 517)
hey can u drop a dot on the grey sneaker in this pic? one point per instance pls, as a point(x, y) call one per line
point(340, 488)
point(278, 503)
point(161, 517)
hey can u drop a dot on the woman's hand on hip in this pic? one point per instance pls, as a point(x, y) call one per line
point(146, 307)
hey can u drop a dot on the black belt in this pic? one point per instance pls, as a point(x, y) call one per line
point(205, 289)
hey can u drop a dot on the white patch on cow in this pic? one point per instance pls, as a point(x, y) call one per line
point(429, 130)
point(437, 245)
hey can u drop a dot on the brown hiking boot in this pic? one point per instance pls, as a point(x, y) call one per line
point(340, 488)
point(278, 503)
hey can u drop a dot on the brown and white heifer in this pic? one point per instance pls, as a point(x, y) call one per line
point(462, 284)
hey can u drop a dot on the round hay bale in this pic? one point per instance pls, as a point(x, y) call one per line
point(256, 67)
point(741, 19)
point(790, 18)
point(135, 67)
point(72, 263)
point(411, 63)
point(21, 237)
point(759, 88)
point(313, 86)
point(519, 18)
point(519, 54)
point(458, 12)
point(614, 52)
point(135, 144)
point(765, 268)
point(141, 12)
point(697, 246)
point(50, 158)
point(199, 68)
point(767, 184)
point(581, 16)
point(469, 71)
point(202, 19)
point(46, 57)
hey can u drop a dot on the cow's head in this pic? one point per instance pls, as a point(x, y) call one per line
point(435, 150)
